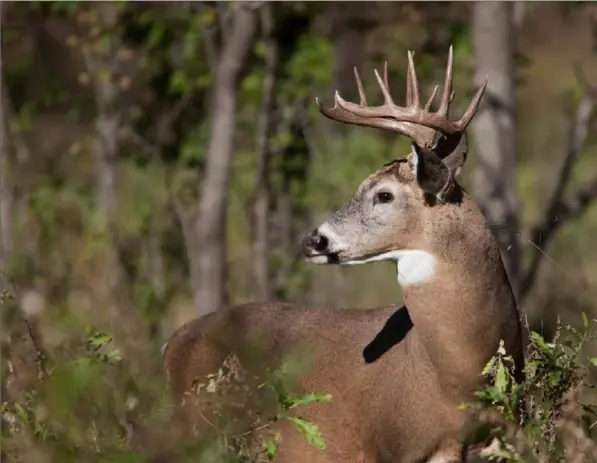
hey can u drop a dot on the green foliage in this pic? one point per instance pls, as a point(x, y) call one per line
point(308, 66)
point(310, 431)
point(193, 146)
point(503, 393)
point(540, 418)
point(233, 399)
point(74, 409)
point(90, 403)
point(96, 343)
point(66, 8)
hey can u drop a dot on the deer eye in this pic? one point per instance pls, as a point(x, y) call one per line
point(384, 197)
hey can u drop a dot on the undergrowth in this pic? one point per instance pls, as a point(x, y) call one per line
point(91, 403)
point(543, 418)
point(235, 399)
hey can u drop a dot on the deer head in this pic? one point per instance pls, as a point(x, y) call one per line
point(388, 215)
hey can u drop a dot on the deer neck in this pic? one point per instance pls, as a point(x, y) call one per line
point(459, 297)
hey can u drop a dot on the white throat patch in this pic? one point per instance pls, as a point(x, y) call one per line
point(415, 267)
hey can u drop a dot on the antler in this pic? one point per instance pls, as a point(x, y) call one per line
point(414, 121)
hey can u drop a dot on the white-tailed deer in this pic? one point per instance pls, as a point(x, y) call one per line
point(396, 375)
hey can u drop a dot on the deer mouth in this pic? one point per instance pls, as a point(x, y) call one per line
point(322, 258)
point(319, 248)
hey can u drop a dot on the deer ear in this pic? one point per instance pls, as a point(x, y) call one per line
point(432, 174)
point(457, 154)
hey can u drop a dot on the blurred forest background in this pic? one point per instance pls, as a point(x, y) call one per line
point(160, 160)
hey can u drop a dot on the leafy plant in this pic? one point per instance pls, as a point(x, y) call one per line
point(542, 418)
point(78, 408)
point(233, 400)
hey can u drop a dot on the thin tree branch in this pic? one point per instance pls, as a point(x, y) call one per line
point(187, 222)
point(40, 352)
point(562, 209)
point(31, 322)
point(262, 202)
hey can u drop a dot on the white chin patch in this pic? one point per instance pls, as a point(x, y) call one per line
point(322, 259)
point(415, 267)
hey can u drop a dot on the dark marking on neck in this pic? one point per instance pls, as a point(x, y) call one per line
point(454, 196)
point(392, 333)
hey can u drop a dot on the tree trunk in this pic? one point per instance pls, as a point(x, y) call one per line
point(293, 213)
point(348, 24)
point(494, 129)
point(262, 205)
point(5, 190)
point(101, 65)
point(348, 45)
point(6, 198)
point(105, 154)
point(210, 292)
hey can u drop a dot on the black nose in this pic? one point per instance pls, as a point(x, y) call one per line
point(314, 242)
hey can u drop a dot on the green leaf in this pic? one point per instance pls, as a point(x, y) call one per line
point(65, 7)
point(21, 412)
point(539, 342)
point(585, 320)
point(271, 447)
point(501, 381)
point(179, 82)
point(97, 339)
point(310, 431)
point(208, 17)
point(156, 35)
point(593, 361)
point(489, 367)
point(309, 399)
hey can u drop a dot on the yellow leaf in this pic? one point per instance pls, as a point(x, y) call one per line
point(208, 17)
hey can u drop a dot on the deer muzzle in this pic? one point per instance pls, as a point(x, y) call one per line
point(316, 248)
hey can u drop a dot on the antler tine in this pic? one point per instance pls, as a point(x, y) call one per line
point(409, 89)
point(388, 102)
point(427, 107)
point(385, 88)
point(466, 118)
point(362, 95)
point(444, 106)
point(414, 83)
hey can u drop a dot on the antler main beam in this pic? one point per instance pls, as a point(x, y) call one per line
point(414, 121)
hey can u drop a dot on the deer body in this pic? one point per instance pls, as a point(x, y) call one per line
point(397, 376)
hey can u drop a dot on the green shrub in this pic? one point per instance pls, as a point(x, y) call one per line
point(92, 406)
point(541, 419)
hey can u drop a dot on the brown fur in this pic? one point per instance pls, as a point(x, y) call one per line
point(402, 407)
